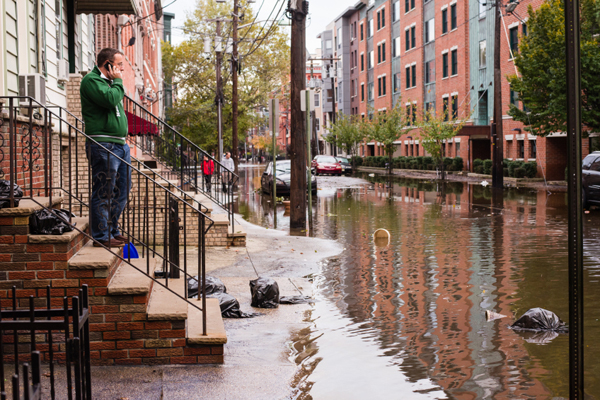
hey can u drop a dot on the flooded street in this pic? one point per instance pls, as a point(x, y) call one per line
point(407, 320)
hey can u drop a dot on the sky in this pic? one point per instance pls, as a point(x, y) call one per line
point(322, 12)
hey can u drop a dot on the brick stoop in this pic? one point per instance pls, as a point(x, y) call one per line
point(126, 327)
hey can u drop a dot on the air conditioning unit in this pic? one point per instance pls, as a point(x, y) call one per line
point(63, 71)
point(33, 85)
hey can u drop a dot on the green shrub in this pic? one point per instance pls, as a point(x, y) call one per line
point(357, 161)
point(512, 165)
point(487, 167)
point(520, 172)
point(505, 171)
point(419, 160)
point(457, 162)
point(530, 169)
point(477, 163)
point(478, 169)
point(370, 161)
point(380, 161)
point(427, 160)
point(414, 164)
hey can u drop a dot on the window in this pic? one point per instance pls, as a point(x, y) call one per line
point(413, 37)
point(446, 111)
point(328, 44)
point(362, 62)
point(362, 92)
point(339, 38)
point(482, 54)
point(430, 30)
point(514, 39)
point(454, 62)
point(407, 40)
point(412, 4)
point(396, 47)
point(371, 59)
point(59, 28)
point(379, 87)
point(520, 149)
point(413, 72)
point(406, 6)
point(317, 124)
point(383, 52)
point(384, 84)
point(429, 109)
point(408, 119)
point(514, 98)
point(362, 32)
point(453, 24)
point(317, 98)
point(407, 77)
point(379, 54)
point(524, 29)
point(370, 91)
point(370, 28)
point(482, 9)
point(454, 107)
point(378, 20)
point(396, 11)
point(429, 72)
point(382, 12)
point(396, 82)
point(532, 149)
point(414, 118)
point(444, 21)
point(457, 149)
point(445, 65)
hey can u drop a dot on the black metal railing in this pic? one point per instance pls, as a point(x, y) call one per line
point(37, 163)
point(61, 334)
point(176, 153)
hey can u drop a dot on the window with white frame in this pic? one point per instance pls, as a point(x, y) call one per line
point(430, 30)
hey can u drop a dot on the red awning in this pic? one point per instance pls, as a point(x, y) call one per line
point(140, 126)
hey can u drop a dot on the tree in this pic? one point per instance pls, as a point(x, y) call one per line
point(386, 127)
point(264, 65)
point(435, 129)
point(345, 133)
point(541, 84)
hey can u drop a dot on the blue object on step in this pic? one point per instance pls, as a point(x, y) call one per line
point(129, 251)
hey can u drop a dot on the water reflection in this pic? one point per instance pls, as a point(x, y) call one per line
point(407, 320)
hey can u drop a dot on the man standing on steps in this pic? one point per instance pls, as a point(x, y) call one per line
point(102, 95)
point(227, 162)
point(208, 167)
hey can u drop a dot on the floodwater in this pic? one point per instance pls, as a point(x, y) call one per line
point(407, 320)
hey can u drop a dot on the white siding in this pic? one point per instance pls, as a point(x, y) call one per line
point(11, 54)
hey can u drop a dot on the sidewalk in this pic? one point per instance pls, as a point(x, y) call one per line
point(258, 357)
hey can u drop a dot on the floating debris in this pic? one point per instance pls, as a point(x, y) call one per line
point(492, 316)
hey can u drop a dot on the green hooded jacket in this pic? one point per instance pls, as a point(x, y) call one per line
point(102, 108)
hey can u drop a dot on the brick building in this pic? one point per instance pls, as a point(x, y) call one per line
point(434, 55)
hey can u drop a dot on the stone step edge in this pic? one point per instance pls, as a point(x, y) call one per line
point(215, 328)
point(90, 258)
point(80, 223)
point(28, 206)
point(127, 280)
point(164, 305)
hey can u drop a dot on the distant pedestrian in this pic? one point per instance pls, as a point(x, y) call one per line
point(227, 162)
point(102, 95)
point(208, 168)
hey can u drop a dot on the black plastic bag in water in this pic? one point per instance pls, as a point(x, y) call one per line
point(537, 319)
point(265, 293)
point(299, 299)
point(213, 285)
point(5, 193)
point(230, 307)
point(46, 222)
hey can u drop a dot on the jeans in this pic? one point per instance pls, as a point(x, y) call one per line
point(207, 179)
point(111, 182)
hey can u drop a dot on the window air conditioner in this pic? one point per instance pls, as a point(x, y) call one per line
point(63, 71)
point(33, 85)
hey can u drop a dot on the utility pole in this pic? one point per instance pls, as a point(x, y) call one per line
point(234, 91)
point(219, 99)
point(497, 134)
point(575, 228)
point(333, 72)
point(298, 10)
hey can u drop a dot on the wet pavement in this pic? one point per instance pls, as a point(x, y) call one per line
point(407, 320)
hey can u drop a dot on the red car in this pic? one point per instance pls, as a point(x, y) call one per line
point(326, 165)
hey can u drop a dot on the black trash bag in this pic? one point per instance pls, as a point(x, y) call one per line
point(538, 320)
point(230, 307)
point(265, 293)
point(5, 193)
point(299, 299)
point(213, 285)
point(46, 222)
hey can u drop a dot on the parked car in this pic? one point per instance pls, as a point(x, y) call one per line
point(326, 165)
point(346, 166)
point(590, 175)
point(283, 177)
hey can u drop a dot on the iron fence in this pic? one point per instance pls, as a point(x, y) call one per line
point(64, 331)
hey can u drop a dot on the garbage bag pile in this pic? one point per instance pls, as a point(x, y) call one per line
point(299, 299)
point(230, 307)
point(5, 193)
point(213, 286)
point(265, 293)
point(539, 320)
point(50, 222)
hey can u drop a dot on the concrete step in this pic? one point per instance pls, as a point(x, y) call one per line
point(164, 305)
point(220, 219)
point(80, 223)
point(215, 328)
point(205, 201)
point(27, 207)
point(130, 281)
point(90, 257)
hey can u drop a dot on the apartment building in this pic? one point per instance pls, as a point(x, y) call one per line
point(435, 55)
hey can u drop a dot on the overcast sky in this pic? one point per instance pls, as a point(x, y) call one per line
point(322, 12)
